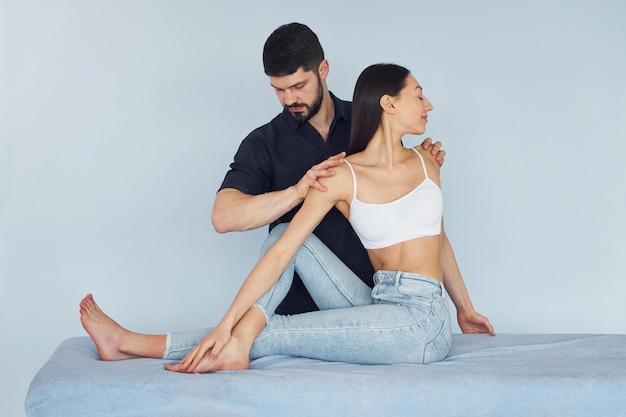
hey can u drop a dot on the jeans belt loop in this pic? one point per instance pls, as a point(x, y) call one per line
point(397, 278)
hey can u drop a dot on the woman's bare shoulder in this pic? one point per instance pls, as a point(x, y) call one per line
point(340, 184)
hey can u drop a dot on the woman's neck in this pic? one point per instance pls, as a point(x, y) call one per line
point(385, 148)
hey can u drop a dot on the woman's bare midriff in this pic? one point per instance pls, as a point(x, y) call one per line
point(418, 256)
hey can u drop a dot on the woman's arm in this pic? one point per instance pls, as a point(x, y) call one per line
point(469, 320)
point(269, 268)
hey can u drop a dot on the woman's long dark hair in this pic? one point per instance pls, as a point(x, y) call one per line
point(374, 82)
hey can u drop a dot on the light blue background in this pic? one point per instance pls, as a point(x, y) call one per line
point(118, 120)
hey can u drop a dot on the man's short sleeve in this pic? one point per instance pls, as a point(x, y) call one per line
point(250, 171)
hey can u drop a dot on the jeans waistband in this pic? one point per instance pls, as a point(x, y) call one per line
point(393, 278)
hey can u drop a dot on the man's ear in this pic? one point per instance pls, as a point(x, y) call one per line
point(323, 69)
point(386, 102)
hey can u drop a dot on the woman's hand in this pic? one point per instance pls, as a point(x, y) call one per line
point(473, 322)
point(209, 348)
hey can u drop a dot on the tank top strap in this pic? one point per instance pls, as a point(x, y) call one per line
point(423, 164)
point(353, 177)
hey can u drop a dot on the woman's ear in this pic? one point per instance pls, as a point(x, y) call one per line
point(386, 102)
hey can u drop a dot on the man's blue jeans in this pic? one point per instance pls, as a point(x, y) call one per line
point(404, 319)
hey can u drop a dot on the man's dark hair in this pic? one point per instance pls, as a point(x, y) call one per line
point(290, 47)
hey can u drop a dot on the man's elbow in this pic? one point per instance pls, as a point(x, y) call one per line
point(220, 222)
point(221, 216)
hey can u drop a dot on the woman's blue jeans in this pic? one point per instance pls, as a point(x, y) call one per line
point(404, 319)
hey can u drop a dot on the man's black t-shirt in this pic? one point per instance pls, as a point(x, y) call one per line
point(276, 156)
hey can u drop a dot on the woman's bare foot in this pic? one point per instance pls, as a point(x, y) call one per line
point(234, 356)
point(104, 331)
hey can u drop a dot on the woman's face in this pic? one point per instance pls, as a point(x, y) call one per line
point(413, 107)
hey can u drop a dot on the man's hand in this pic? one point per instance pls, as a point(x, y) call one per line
point(234, 210)
point(473, 322)
point(321, 170)
point(435, 150)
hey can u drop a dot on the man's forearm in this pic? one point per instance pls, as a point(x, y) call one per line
point(234, 211)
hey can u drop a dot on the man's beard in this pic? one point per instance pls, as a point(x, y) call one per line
point(312, 109)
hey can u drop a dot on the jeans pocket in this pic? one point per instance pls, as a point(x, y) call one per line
point(438, 348)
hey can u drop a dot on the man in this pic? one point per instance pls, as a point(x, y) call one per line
point(278, 163)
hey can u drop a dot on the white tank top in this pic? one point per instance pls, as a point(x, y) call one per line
point(416, 214)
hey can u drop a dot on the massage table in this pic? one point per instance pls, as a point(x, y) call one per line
point(527, 375)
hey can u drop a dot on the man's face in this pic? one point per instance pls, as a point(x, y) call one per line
point(300, 93)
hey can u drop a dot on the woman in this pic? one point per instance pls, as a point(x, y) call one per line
point(392, 197)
